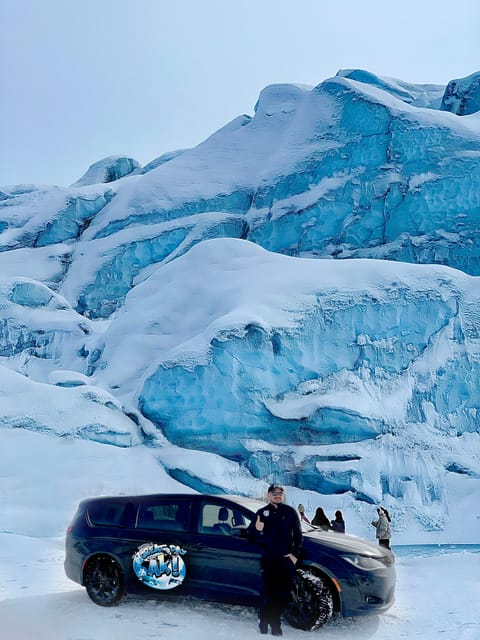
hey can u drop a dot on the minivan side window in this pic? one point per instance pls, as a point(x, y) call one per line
point(164, 516)
point(107, 514)
point(219, 519)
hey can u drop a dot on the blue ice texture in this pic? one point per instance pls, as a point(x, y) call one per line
point(366, 167)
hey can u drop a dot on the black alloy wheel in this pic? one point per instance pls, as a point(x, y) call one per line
point(103, 580)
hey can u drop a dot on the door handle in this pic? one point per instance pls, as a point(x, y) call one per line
point(198, 546)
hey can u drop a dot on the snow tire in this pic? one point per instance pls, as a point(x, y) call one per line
point(311, 605)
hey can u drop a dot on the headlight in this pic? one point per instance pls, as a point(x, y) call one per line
point(364, 562)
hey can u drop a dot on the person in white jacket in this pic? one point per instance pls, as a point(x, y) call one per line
point(382, 526)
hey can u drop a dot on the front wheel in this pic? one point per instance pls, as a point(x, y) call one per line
point(103, 580)
point(311, 604)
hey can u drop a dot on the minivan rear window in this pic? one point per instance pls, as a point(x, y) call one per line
point(165, 515)
point(109, 514)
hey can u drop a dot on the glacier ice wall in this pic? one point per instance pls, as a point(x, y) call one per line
point(391, 187)
point(462, 96)
point(352, 376)
point(418, 95)
point(32, 217)
point(359, 166)
point(108, 170)
point(323, 370)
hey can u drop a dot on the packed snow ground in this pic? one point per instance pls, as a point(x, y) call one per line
point(437, 597)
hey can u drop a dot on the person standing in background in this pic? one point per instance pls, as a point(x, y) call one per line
point(277, 530)
point(301, 513)
point(382, 525)
point(320, 520)
point(339, 523)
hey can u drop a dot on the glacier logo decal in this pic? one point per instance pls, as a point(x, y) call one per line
point(160, 566)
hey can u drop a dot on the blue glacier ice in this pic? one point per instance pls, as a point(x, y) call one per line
point(354, 366)
point(359, 166)
point(108, 170)
point(462, 96)
point(426, 95)
point(297, 296)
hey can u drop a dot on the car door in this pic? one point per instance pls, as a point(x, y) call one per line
point(226, 563)
point(160, 559)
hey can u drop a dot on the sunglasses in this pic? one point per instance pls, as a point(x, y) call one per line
point(277, 493)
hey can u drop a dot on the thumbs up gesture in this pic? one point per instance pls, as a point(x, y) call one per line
point(259, 524)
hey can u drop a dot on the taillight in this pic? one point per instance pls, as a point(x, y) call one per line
point(69, 530)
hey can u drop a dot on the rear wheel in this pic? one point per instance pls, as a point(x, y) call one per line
point(103, 581)
point(311, 605)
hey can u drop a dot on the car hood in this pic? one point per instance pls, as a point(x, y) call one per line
point(346, 543)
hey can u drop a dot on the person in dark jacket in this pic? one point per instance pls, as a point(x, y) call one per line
point(320, 520)
point(339, 523)
point(277, 530)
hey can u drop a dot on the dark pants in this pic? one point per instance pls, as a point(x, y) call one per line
point(384, 543)
point(278, 578)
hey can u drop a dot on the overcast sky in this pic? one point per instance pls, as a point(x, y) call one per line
point(86, 79)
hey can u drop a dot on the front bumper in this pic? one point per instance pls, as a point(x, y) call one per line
point(368, 592)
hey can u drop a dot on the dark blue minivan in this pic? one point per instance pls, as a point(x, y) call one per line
point(195, 544)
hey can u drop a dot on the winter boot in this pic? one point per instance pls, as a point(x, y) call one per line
point(262, 626)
